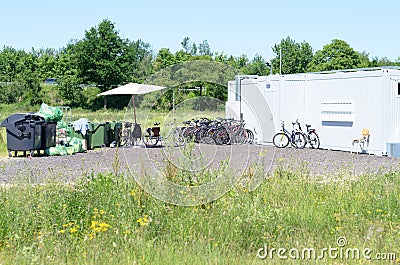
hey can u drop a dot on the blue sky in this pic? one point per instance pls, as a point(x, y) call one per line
point(233, 27)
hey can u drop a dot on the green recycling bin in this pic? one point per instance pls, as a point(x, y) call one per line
point(99, 132)
point(86, 139)
point(115, 132)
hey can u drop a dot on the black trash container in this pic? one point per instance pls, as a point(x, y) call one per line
point(115, 132)
point(24, 132)
point(49, 134)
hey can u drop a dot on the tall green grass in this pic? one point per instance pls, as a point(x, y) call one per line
point(109, 219)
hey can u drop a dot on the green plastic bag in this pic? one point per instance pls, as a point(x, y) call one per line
point(76, 144)
point(61, 125)
point(56, 150)
point(62, 149)
point(50, 113)
point(70, 150)
point(51, 151)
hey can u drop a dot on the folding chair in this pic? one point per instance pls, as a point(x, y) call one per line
point(363, 142)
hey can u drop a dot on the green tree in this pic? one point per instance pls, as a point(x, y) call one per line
point(208, 76)
point(45, 63)
point(384, 61)
point(186, 44)
point(295, 56)
point(18, 72)
point(337, 55)
point(10, 63)
point(182, 56)
point(71, 91)
point(204, 48)
point(69, 87)
point(236, 62)
point(137, 61)
point(364, 60)
point(99, 55)
point(258, 66)
point(164, 59)
point(28, 80)
point(221, 57)
point(104, 59)
point(107, 60)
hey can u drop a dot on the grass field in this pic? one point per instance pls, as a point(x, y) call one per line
point(109, 219)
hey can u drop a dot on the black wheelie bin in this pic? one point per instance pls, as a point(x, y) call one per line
point(24, 133)
point(49, 134)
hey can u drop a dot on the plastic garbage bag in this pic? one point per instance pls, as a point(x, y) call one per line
point(51, 151)
point(58, 150)
point(61, 124)
point(76, 144)
point(50, 113)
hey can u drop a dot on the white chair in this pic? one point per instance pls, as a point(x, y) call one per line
point(363, 142)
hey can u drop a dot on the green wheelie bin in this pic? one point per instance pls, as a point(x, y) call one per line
point(99, 134)
point(115, 133)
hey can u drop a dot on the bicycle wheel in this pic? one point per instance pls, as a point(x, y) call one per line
point(221, 137)
point(298, 140)
point(151, 141)
point(126, 139)
point(280, 140)
point(177, 137)
point(199, 135)
point(188, 133)
point(249, 136)
point(207, 136)
point(241, 136)
point(314, 140)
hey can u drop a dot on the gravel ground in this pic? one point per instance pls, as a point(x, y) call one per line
point(325, 163)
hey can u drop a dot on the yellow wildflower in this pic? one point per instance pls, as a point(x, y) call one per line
point(103, 226)
point(145, 220)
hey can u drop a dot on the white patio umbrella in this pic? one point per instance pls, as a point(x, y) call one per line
point(132, 89)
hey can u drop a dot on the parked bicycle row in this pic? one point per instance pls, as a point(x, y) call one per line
point(204, 130)
point(219, 131)
point(297, 138)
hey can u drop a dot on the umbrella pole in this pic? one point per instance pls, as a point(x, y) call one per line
point(134, 107)
point(105, 102)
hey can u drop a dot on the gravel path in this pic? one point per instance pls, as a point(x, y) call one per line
point(324, 163)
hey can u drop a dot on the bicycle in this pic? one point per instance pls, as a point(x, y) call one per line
point(131, 134)
point(152, 135)
point(311, 136)
point(175, 133)
point(296, 138)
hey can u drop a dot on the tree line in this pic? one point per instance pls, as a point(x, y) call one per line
point(102, 59)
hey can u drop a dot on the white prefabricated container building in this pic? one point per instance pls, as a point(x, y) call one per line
point(338, 104)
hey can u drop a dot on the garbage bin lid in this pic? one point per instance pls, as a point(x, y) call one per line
point(13, 118)
point(22, 117)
